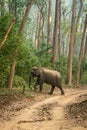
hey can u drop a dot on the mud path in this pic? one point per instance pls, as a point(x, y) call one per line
point(48, 114)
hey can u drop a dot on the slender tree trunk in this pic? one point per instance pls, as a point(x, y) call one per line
point(36, 35)
point(59, 27)
point(71, 45)
point(49, 36)
point(41, 23)
point(2, 8)
point(11, 10)
point(7, 33)
point(63, 47)
point(25, 16)
point(10, 81)
point(55, 34)
point(63, 35)
point(79, 14)
point(39, 30)
point(81, 52)
point(42, 26)
point(21, 29)
point(15, 9)
point(78, 19)
point(85, 53)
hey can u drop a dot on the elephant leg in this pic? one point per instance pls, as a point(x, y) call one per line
point(61, 89)
point(52, 89)
point(41, 87)
point(35, 86)
point(37, 83)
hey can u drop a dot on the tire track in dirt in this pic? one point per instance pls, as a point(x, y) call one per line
point(46, 115)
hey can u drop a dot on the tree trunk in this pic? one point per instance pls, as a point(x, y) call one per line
point(78, 19)
point(39, 30)
point(15, 9)
point(55, 34)
point(59, 27)
point(2, 8)
point(71, 45)
point(36, 34)
point(25, 16)
point(79, 14)
point(42, 26)
point(49, 36)
point(12, 9)
point(10, 81)
point(81, 52)
point(7, 33)
point(21, 29)
point(85, 53)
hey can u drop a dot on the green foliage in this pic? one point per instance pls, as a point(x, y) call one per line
point(4, 72)
point(84, 64)
point(65, 28)
point(85, 6)
point(19, 7)
point(4, 22)
point(42, 6)
point(26, 59)
point(75, 62)
point(83, 80)
point(45, 58)
point(27, 56)
point(6, 52)
point(19, 82)
point(62, 67)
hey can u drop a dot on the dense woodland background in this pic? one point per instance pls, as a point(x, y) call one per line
point(49, 33)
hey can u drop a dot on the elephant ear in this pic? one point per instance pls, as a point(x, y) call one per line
point(39, 72)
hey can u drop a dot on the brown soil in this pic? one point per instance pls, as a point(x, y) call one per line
point(43, 111)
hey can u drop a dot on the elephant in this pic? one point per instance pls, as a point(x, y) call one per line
point(45, 75)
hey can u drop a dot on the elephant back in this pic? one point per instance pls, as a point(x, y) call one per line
point(51, 76)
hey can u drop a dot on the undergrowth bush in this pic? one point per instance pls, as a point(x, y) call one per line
point(83, 80)
point(19, 82)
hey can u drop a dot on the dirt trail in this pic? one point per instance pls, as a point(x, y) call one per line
point(48, 114)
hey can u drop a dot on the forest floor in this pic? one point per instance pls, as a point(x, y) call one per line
point(43, 111)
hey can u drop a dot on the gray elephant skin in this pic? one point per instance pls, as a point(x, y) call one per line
point(47, 76)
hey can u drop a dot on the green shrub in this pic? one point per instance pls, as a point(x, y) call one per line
point(62, 67)
point(19, 82)
point(83, 80)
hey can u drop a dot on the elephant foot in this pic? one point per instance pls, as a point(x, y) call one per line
point(34, 90)
point(50, 93)
point(62, 93)
point(40, 91)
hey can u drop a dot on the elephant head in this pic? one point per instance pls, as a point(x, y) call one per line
point(35, 72)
